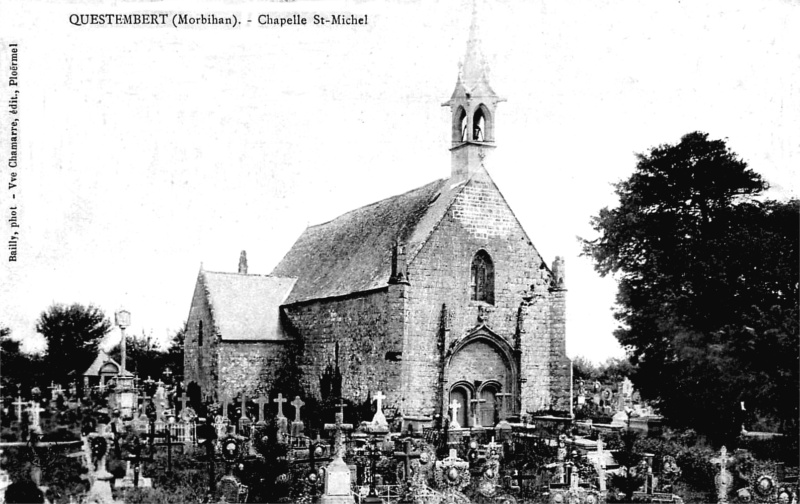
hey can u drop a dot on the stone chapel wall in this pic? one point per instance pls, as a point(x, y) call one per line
point(440, 275)
point(200, 362)
point(366, 350)
point(251, 367)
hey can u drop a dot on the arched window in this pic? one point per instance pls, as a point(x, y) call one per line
point(463, 134)
point(479, 125)
point(200, 333)
point(482, 278)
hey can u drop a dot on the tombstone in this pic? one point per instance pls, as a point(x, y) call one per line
point(95, 454)
point(261, 401)
point(283, 428)
point(297, 424)
point(337, 473)
point(724, 479)
point(452, 476)
point(131, 480)
point(34, 409)
point(225, 403)
point(18, 404)
point(244, 421)
point(379, 422)
point(475, 407)
point(454, 407)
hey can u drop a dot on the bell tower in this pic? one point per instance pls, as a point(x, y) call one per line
point(472, 107)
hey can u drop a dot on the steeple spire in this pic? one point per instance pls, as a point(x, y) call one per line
point(473, 105)
point(474, 69)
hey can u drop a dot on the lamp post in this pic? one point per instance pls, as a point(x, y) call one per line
point(123, 319)
point(125, 394)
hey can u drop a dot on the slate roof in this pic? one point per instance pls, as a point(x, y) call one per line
point(245, 307)
point(353, 253)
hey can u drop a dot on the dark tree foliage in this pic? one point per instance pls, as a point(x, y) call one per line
point(708, 286)
point(19, 371)
point(72, 334)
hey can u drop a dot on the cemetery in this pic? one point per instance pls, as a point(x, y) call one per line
point(144, 441)
point(413, 351)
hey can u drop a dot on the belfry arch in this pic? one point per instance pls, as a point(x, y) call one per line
point(482, 376)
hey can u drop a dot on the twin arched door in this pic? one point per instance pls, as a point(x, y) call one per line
point(480, 368)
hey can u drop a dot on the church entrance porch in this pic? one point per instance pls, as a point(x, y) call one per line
point(480, 373)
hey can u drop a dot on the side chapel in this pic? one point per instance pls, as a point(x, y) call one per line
point(432, 296)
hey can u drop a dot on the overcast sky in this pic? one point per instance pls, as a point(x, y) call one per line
point(148, 151)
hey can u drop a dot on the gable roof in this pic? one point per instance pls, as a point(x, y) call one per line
point(245, 307)
point(101, 360)
point(353, 252)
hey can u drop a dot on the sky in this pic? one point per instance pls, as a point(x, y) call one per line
point(148, 151)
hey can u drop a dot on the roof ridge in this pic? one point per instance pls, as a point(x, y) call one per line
point(377, 202)
point(233, 273)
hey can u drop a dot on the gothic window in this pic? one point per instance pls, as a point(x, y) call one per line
point(479, 125)
point(482, 278)
point(462, 125)
point(200, 333)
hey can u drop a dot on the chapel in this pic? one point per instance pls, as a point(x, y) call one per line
point(435, 296)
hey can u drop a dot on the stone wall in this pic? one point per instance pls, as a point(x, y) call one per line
point(440, 274)
point(368, 351)
point(200, 362)
point(251, 366)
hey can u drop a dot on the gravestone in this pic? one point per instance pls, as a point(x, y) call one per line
point(379, 422)
point(454, 407)
point(18, 404)
point(337, 473)
point(261, 401)
point(297, 424)
point(35, 411)
point(724, 478)
point(283, 423)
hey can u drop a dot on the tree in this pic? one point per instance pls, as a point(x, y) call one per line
point(708, 285)
point(17, 369)
point(72, 334)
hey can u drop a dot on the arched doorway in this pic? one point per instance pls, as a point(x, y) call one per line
point(479, 370)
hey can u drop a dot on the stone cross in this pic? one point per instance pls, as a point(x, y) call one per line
point(338, 428)
point(379, 397)
point(454, 406)
point(53, 390)
point(379, 419)
point(406, 456)
point(724, 478)
point(297, 403)
point(225, 400)
point(35, 410)
point(184, 398)
point(280, 400)
point(244, 406)
point(18, 407)
point(261, 401)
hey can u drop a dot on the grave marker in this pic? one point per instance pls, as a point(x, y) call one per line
point(379, 419)
point(454, 407)
point(337, 475)
point(297, 424)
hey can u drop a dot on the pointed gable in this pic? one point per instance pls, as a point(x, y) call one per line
point(246, 307)
point(353, 252)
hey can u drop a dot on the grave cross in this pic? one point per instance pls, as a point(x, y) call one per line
point(244, 406)
point(338, 428)
point(18, 407)
point(297, 403)
point(225, 400)
point(35, 410)
point(406, 456)
point(280, 400)
point(315, 455)
point(379, 397)
point(169, 444)
point(454, 407)
point(261, 401)
point(184, 399)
